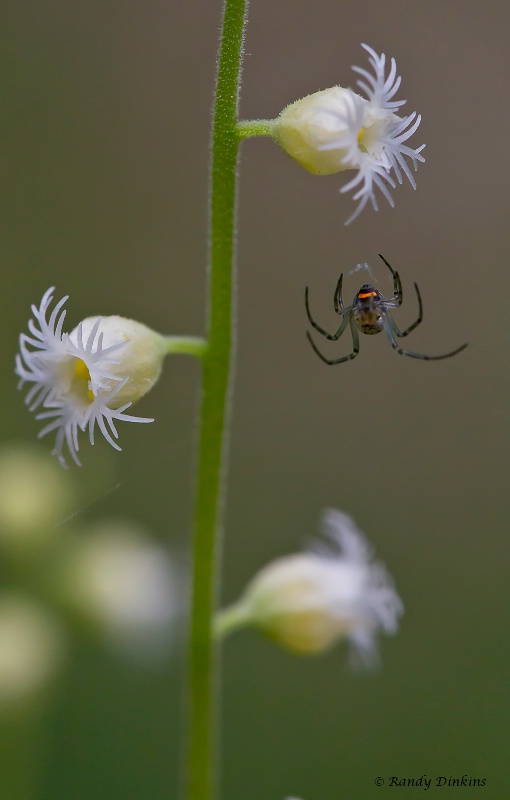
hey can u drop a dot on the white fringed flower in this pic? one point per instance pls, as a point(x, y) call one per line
point(91, 376)
point(336, 129)
point(307, 602)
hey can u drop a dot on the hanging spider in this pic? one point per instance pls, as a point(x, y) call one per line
point(370, 313)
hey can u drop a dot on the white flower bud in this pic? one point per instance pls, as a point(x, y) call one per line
point(295, 601)
point(138, 357)
point(307, 602)
point(305, 127)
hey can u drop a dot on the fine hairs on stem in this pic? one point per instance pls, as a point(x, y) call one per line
point(214, 412)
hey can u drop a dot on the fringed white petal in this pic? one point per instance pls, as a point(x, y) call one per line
point(48, 360)
point(371, 137)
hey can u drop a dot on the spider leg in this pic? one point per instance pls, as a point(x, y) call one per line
point(355, 346)
point(339, 303)
point(332, 336)
point(397, 283)
point(389, 329)
point(414, 325)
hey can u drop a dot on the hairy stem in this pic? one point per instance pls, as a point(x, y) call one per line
point(247, 128)
point(214, 413)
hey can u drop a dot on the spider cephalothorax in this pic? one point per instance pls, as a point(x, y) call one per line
point(370, 313)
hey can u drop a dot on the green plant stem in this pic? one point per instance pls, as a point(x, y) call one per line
point(216, 383)
point(247, 128)
point(185, 345)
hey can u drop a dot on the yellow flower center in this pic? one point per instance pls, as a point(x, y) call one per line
point(364, 138)
point(82, 379)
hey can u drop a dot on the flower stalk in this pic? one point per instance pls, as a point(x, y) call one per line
point(185, 345)
point(247, 128)
point(214, 412)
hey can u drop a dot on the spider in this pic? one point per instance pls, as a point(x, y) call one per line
point(370, 313)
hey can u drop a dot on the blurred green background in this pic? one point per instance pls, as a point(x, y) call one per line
point(106, 112)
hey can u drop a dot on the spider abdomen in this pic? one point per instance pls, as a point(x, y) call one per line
point(368, 321)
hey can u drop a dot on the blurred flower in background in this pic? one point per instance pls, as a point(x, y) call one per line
point(108, 580)
point(307, 602)
point(121, 585)
point(32, 649)
point(33, 497)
